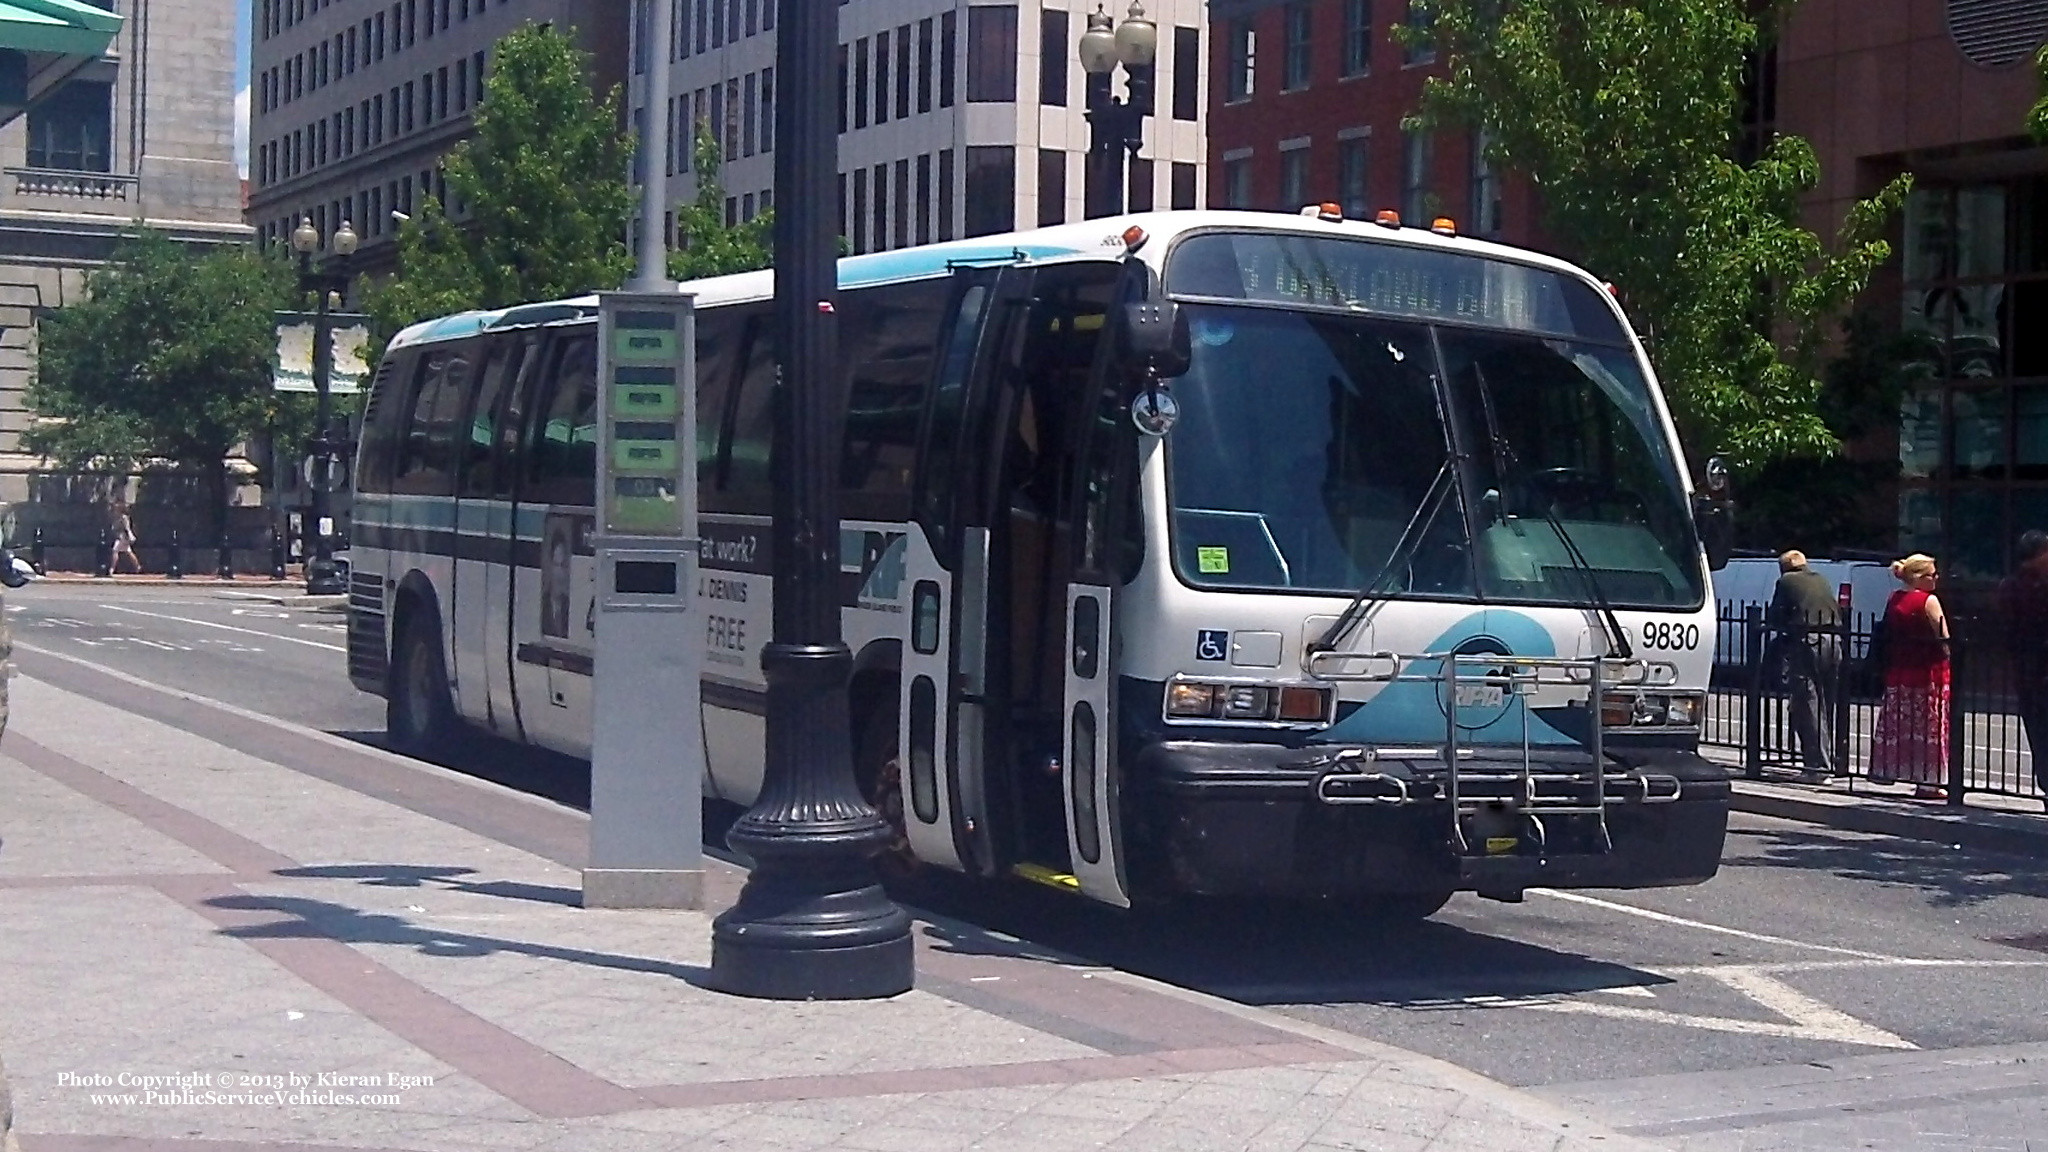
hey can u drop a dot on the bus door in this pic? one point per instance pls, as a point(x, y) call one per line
point(1101, 507)
point(484, 554)
point(946, 736)
point(554, 607)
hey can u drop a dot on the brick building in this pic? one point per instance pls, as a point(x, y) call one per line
point(1307, 99)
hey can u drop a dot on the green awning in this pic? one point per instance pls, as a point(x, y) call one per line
point(57, 27)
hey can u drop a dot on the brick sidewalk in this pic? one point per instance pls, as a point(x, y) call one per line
point(196, 892)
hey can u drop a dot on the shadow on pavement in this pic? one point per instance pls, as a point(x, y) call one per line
point(449, 879)
point(1953, 878)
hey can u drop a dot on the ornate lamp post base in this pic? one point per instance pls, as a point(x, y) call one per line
point(812, 922)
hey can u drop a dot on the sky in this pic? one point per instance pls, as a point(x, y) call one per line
point(242, 85)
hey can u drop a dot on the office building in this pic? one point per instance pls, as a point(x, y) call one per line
point(353, 104)
point(956, 119)
point(131, 125)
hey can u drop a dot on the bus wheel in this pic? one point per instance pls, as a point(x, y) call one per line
point(419, 714)
point(880, 772)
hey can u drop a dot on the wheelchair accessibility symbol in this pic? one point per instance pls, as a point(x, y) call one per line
point(1212, 644)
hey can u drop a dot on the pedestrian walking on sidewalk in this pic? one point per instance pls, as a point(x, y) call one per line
point(1806, 619)
point(1911, 742)
point(2023, 608)
point(123, 531)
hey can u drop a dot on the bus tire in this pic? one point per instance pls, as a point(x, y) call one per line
point(879, 771)
point(419, 713)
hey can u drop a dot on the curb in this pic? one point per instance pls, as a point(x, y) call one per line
point(2013, 833)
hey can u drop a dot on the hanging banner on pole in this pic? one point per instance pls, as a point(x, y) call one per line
point(295, 352)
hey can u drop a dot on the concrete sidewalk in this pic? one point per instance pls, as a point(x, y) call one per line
point(1985, 822)
point(226, 934)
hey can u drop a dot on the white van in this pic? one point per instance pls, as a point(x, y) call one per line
point(1863, 585)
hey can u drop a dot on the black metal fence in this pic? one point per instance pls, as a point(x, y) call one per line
point(1752, 705)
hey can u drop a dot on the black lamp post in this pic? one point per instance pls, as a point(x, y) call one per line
point(322, 579)
point(1116, 127)
point(812, 921)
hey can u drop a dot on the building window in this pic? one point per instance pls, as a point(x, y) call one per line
point(991, 58)
point(881, 206)
point(747, 136)
point(924, 198)
point(1485, 211)
point(1415, 194)
point(1187, 73)
point(845, 87)
point(860, 83)
point(73, 130)
point(767, 111)
point(991, 189)
point(1296, 21)
point(1357, 37)
point(881, 77)
point(1353, 158)
point(924, 65)
point(902, 71)
point(1240, 41)
point(1052, 59)
point(946, 199)
point(860, 210)
point(902, 203)
point(1293, 175)
point(1052, 186)
point(1421, 20)
point(1237, 180)
point(948, 50)
point(1138, 187)
point(1183, 192)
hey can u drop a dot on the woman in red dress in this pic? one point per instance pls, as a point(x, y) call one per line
point(1911, 743)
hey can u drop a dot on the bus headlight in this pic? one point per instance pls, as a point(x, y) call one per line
point(1650, 710)
point(1254, 703)
point(1188, 699)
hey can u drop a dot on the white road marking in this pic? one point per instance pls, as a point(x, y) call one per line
point(225, 628)
point(1703, 926)
point(1804, 1018)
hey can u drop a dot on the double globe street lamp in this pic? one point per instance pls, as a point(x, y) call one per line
point(1116, 127)
point(330, 281)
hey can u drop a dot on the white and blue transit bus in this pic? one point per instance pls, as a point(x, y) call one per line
point(1183, 553)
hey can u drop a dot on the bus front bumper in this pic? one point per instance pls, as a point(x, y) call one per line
point(1228, 819)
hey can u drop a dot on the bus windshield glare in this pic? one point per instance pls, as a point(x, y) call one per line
point(1339, 451)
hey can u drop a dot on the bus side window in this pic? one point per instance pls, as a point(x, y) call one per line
point(886, 340)
point(476, 476)
point(562, 467)
point(382, 417)
point(718, 339)
point(425, 463)
point(522, 376)
point(949, 394)
point(749, 487)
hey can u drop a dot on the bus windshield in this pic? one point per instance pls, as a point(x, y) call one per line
point(1342, 452)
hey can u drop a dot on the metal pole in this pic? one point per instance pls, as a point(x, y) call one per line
point(1105, 178)
point(812, 921)
point(659, 29)
point(321, 579)
point(1753, 697)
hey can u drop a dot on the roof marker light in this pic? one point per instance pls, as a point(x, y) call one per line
point(1387, 218)
point(1329, 210)
point(1444, 226)
point(1134, 238)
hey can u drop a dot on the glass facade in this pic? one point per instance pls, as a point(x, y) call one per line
point(1973, 417)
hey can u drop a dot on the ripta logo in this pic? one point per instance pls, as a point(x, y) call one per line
point(878, 560)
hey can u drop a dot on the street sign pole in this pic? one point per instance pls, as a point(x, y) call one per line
point(647, 741)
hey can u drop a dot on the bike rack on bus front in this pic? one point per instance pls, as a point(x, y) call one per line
point(1384, 774)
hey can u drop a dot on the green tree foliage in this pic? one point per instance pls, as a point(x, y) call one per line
point(542, 185)
point(2037, 120)
point(709, 246)
point(1624, 114)
point(168, 358)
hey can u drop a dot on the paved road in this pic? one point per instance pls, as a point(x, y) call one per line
point(1828, 990)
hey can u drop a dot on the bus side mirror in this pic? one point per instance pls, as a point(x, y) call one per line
point(1714, 517)
point(1154, 338)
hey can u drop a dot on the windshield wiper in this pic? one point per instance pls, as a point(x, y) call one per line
point(1368, 595)
point(1504, 461)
